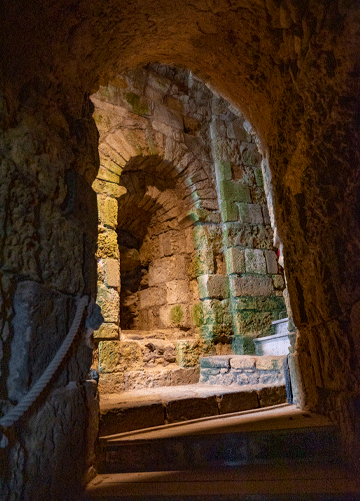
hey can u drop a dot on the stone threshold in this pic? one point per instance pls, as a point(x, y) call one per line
point(146, 408)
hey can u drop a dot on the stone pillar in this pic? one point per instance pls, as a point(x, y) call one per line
point(48, 229)
point(256, 281)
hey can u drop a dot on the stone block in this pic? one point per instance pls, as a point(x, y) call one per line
point(106, 175)
point(250, 213)
point(203, 262)
point(269, 363)
point(189, 352)
point(231, 191)
point(112, 272)
point(242, 362)
point(224, 170)
point(251, 285)
point(108, 245)
point(271, 262)
point(278, 282)
point(176, 315)
point(238, 401)
point(111, 382)
point(107, 211)
point(106, 188)
point(183, 376)
point(167, 268)
point(255, 261)
point(229, 211)
point(213, 286)
point(119, 356)
point(218, 362)
point(121, 419)
point(235, 260)
point(135, 380)
point(190, 408)
point(153, 296)
point(109, 302)
point(272, 395)
point(177, 291)
point(252, 324)
point(107, 331)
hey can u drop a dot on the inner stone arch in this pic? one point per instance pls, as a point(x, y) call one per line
point(190, 232)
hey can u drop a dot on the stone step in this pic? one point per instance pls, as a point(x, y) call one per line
point(273, 436)
point(148, 407)
point(315, 482)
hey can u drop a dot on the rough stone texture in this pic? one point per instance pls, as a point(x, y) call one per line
point(242, 370)
point(120, 420)
point(291, 68)
point(185, 409)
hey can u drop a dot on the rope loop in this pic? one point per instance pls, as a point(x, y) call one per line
point(19, 410)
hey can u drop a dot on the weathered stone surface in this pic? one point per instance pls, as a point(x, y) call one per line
point(107, 331)
point(235, 260)
point(255, 261)
point(213, 286)
point(118, 356)
point(177, 291)
point(112, 272)
point(190, 408)
point(167, 268)
point(109, 302)
point(272, 396)
point(237, 402)
point(108, 211)
point(107, 245)
point(243, 362)
point(216, 361)
point(153, 296)
point(120, 420)
point(271, 262)
point(251, 285)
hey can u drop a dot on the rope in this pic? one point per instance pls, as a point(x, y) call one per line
point(19, 410)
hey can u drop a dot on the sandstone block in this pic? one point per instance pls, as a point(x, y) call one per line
point(153, 296)
point(191, 408)
point(278, 282)
point(108, 245)
point(255, 261)
point(269, 363)
point(251, 285)
point(229, 211)
point(106, 175)
point(218, 362)
point(271, 262)
point(165, 269)
point(176, 315)
point(122, 419)
point(213, 286)
point(203, 262)
point(238, 401)
point(109, 302)
point(250, 213)
point(107, 188)
point(107, 331)
point(272, 395)
point(118, 356)
point(108, 211)
point(177, 291)
point(234, 192)
point(130, 259)
point(185, 376)
point(112, 272)
point(242, 362)
point(235, 260)
point(111, 382)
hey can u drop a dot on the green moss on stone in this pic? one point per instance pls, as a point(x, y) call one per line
point(176, 314)
point(138, 105)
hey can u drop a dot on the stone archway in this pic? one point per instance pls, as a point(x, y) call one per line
point(293, 69)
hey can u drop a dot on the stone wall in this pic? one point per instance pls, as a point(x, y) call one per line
point(240, 370)
point(193, 231)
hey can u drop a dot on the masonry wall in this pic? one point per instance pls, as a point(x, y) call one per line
point(193, 232)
